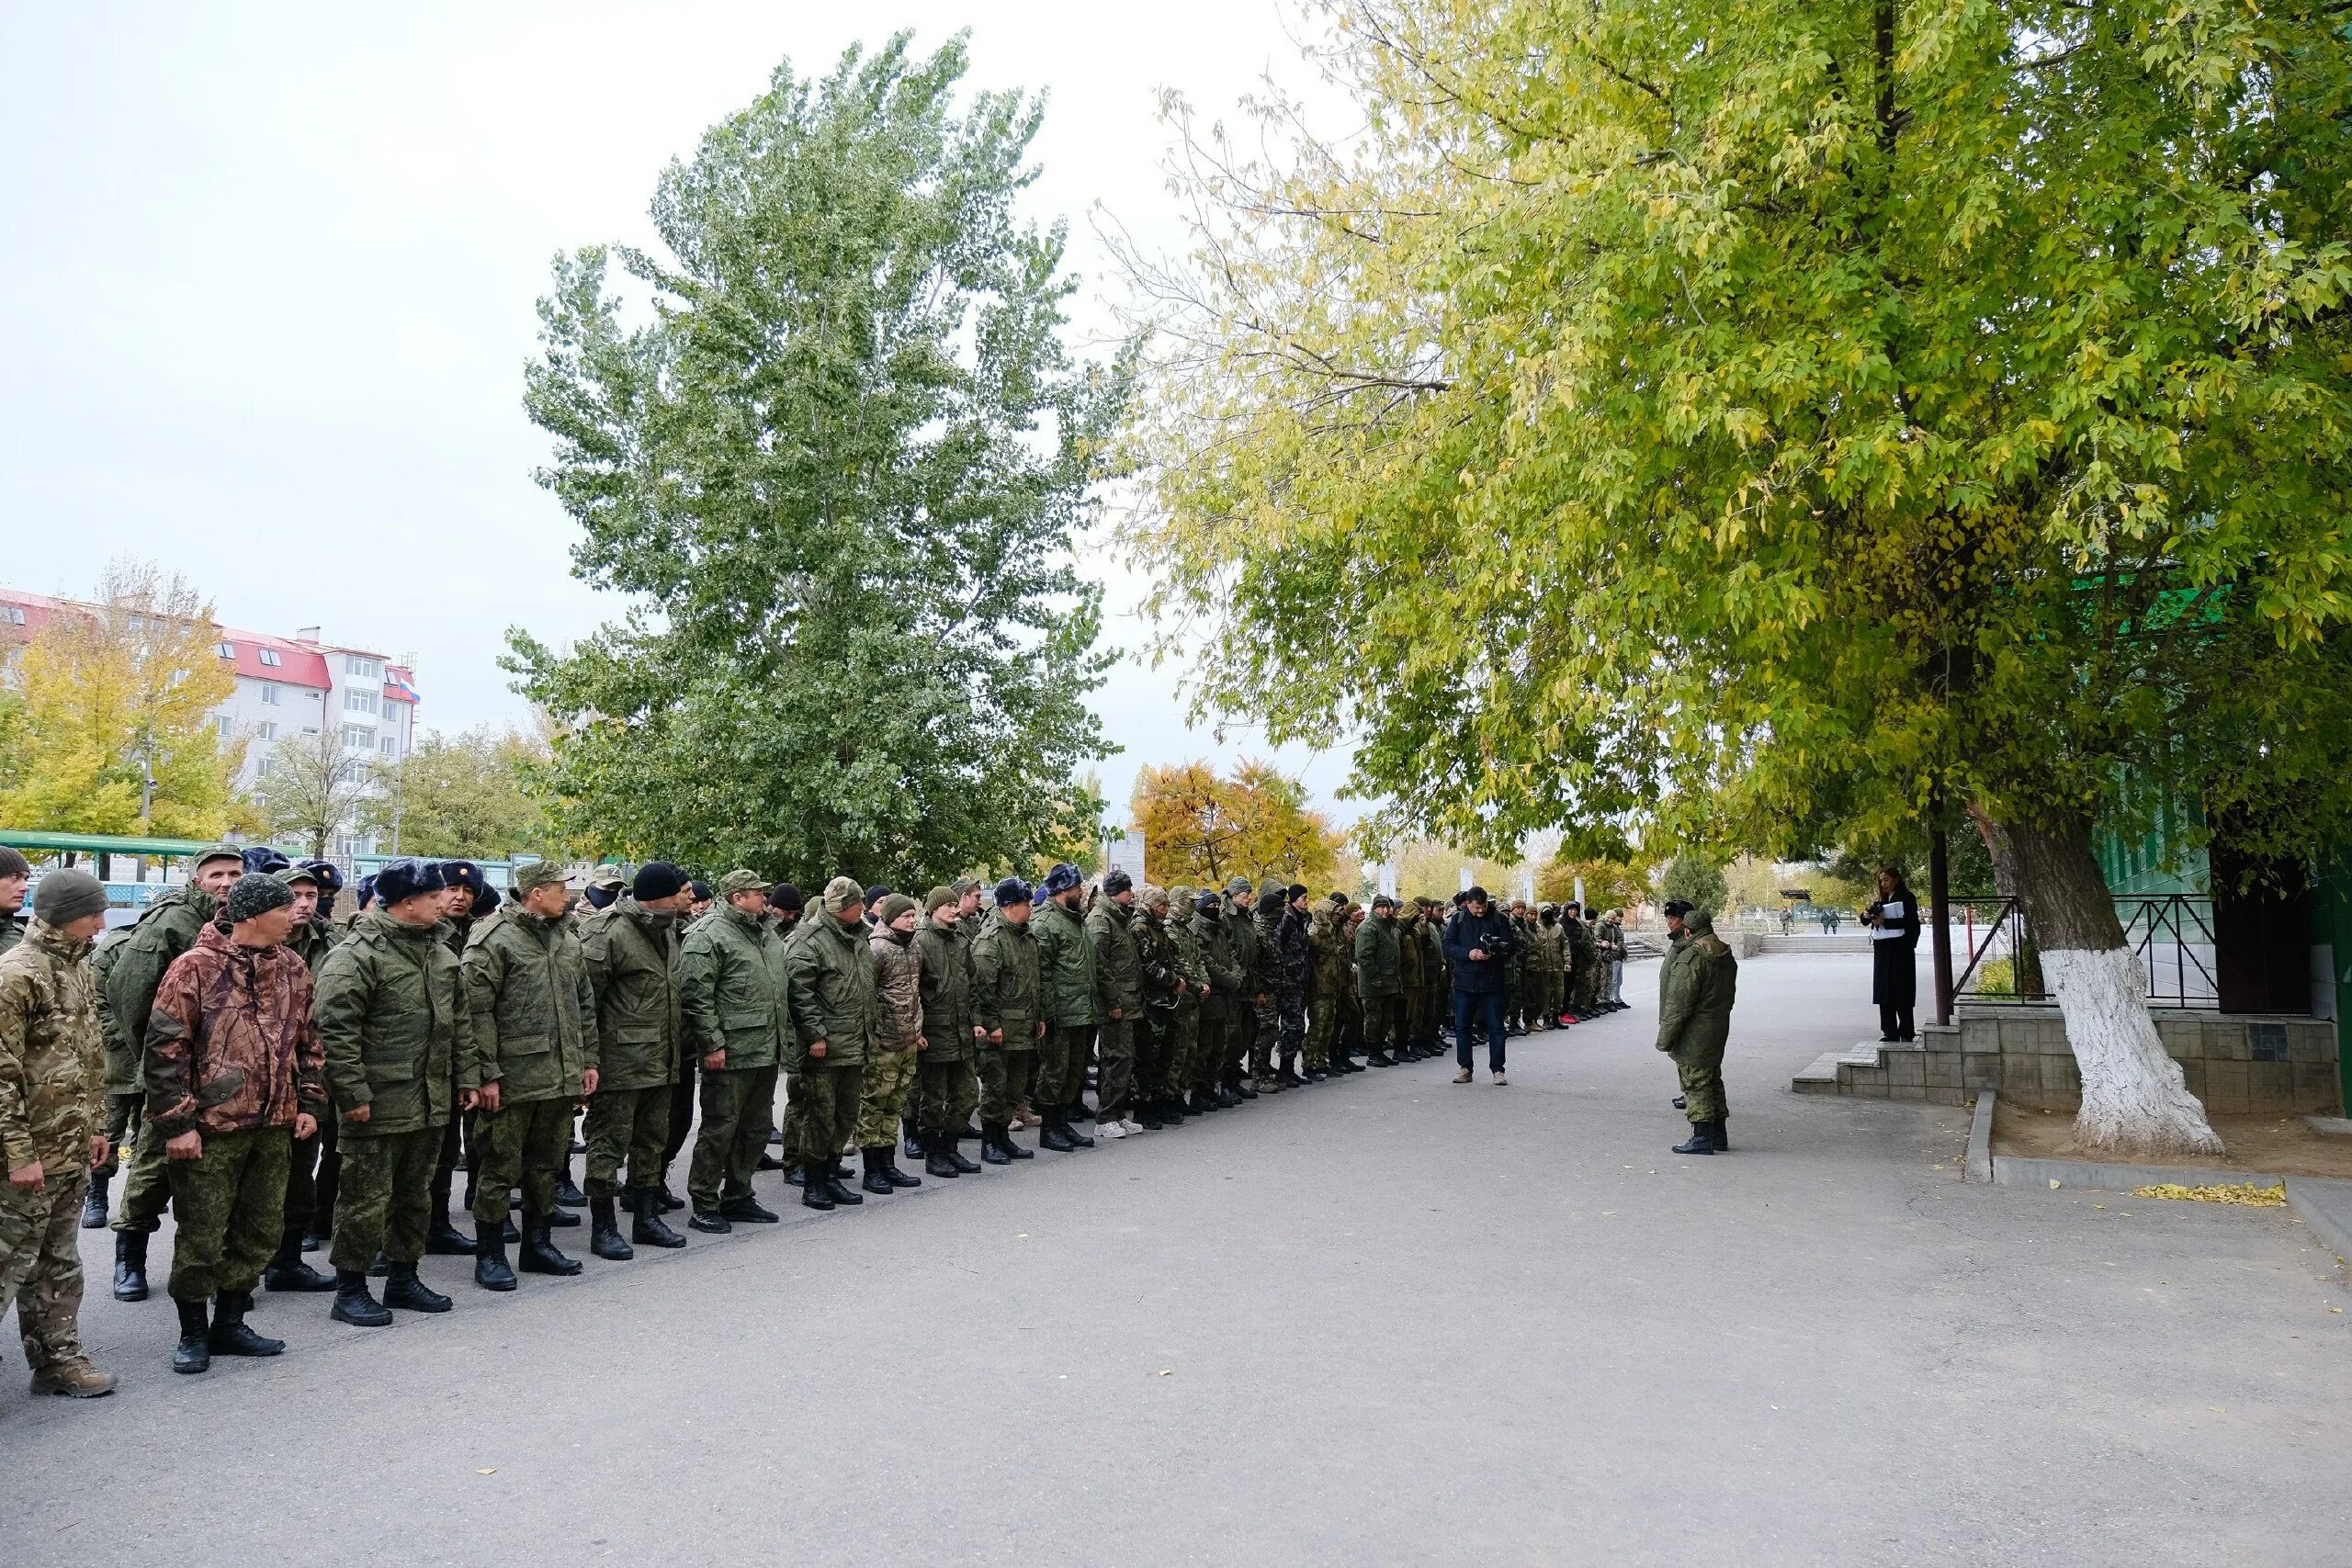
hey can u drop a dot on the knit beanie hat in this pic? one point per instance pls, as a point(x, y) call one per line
point(14, 865)
point(939, 898)
point(257, 893)
point(657, 879)
point(843, 893)
point(64, 897)
point(784, 895)
point(893, 906)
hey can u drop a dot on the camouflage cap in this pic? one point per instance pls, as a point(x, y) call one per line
point(608, 877)
point(217, 851)
point(1151, 895)
point(742, 880)
point(841, 894)
point(964, 885)
point(1180, 894)
point(538, 873)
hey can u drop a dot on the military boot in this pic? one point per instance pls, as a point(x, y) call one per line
point(647, 1228)
point(1379, 1058)
point(996, 1146)
point(1241, 1088)
point(194, 1353)
point(288, 1271)
point(93, 1202)
point(491, 1271)
point(670, 1201)
point(968, 1134)
point(1680, 1104)
point(937, 1164)
point(815, 1191)
point(746, 1210)
point(893, 1175)
point(954, 1156)
point(873, 1180)
point(710, 1221)
point(797, 1174)
point(446, 1240)
point(404, 1289)
point(1722, 1138)
point(74, 1377)
point(567, 1193)
point(837, 1192)
point(1288, 1074)
point(1700, 1141)
point(354, 1304)
point(131, 1266)
point(913, 1143)
point(230, 1337)
point(1053, 1137)
point(605, 1233)
point(539, 1254)
point(1172, 1113)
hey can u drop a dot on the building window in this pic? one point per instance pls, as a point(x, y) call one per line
point(358, 702)
point(269, 657)
point(269, 732)
point(269, 692)
point(366, 669)
point(359, 736)
point(226, 651)
point(265, 767)
point(13, 613)
point(391, 745)
point(221, 723)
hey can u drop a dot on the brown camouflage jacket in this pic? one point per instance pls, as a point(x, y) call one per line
point(898, 991)
point(230, 1042)
point(53, 1067)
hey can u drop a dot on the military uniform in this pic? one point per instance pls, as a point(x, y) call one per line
point(1266, 978)
point(1006, 1004)
point(1072, 1002)
point(1409, 999)
point(1328, 977)
point(1208, 927)
point(732, 991)
point(52, 1070)
point(831, 982)
point(1696, 988)
point(1118, 973)
point(315, 1163)
point(946, 1091)
point(631, 955)
point(1378, 982)
point(131, 969)
point(892, 1060)
point(536, 1038)
point(1584, 967)
point(1160, 975)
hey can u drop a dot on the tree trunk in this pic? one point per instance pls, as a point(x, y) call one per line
point(2135, 1099)
point(2025, 964)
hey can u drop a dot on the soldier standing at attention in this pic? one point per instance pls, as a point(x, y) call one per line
point(234, 1076)
point(128, 972)
point(631, 947)
point(1118, 975)
point(1006, 1010)
point(1377, 979)
point(52, 1099)
point(944, 1093)
point(891, 1064)
point(1408, 983)
point(536, 1040)
point(1159, 973)
point(1207, 926)
point(732, 991)
point(398, 1034)
point(1293, 960)
point(314, 1166)
point(831, 975)
point(1696, 988)
point(1065, 969)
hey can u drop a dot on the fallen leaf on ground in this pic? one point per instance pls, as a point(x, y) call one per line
point(492, 1471)
point(2250, 1194)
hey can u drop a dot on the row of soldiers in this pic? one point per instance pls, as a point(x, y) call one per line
point(283, 1081)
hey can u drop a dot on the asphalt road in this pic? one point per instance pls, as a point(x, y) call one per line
point(1386, 1320)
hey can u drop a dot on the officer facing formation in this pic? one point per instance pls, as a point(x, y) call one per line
point(1695, 990)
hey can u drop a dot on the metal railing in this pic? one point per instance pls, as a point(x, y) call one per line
point(2171, 935)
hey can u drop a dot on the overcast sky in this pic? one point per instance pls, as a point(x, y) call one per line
point(269, 287)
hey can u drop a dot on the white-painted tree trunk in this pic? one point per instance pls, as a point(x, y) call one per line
point(2135, 1099)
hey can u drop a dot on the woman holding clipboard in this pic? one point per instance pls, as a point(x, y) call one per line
point(1894, 923)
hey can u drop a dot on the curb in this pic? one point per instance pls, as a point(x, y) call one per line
point(2326, 1207)
point(2020, 1170)
point(1980, 1141)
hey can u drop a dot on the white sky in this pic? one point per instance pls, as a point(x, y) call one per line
point(270, 286)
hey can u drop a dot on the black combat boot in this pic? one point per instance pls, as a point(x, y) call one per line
point(562, 1218)
point(670, 1201)
point(968, 1134)
point(893, 1175)
point(567, 1193)
point(131, 1266)
point(1699, 1142)
point(815, 1191)
point(767, 1162)
point(194, 1353)
point(1680, 1103)
point(287, 1271)
point(446, 1240)
point(996, 1148)
point(1054, 1136)
point(1147, 1115)
point(953, 1156)
point(1317, 1074)
point(1069, 1129)
point(913, 1143)
point(1172, 1113)
point(404, 1289)
point(873, 1180)
point(939, 1161)
point(491, 1271)
point(1288, 1074)
point(796, 1173)
point(93, 1202)
point(710, 1221)
point(837, 1192)
point(354, 1304)
point(539, 1254)
point(230, 1337)
point(648, 1228)
point(1715, 1131)
point(1240, 1090)
point(746, 1210)
point(1379, 1058)
point(605, 1233)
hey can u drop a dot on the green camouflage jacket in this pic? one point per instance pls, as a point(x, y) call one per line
point(314, 940)
point(1409, 957)
point(1327, 958)
point(12, 931)
point(1581, 947)
point(52, 1063)
point(1211, 935)
point(396, 1027)
point(1695, 990)
point(1192, 962)
point(733, 988)
point(947, 957)
point(632, 957)
point(534, 1015)
point(129, 969)
point(1004, 983)
point(1118, 968)
point(1377, 965)
point(124, 1066)
point(1159, 964)
point(897, 990)
point(831, 977)
point(232, 1044)
point(1065, 966)
point(1239, 927)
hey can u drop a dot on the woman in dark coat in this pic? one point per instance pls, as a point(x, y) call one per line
point(1894, 924)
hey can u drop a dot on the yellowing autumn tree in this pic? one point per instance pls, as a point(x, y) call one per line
point(113, 715)
point(1201, 828)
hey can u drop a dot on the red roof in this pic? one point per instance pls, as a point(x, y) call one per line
point(297, 665)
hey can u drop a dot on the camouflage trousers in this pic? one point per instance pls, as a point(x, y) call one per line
point(1205, 1062)
point(1154, 1046)
point(1322, 1031)
point(1265, 1034)
point(521, 1144)
point(627, 1126)
point(1379, 1021)
point(1062, 1056)
point(386, 1198)
point(1583, 990)
point(1240, 1034)
point(231, 1201)
point(126, 1113)
point(882, 1094)
point(1702, 1072)
point(40, 1265)
point(737, 1104)
point(1291, 1036)
point(1005, 1075)
point(1114, 1078)
point(146, 1189)
point(946, 1094)
point(826, 1097)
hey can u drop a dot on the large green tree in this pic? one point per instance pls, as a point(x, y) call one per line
point(1780, 419)
point(834, 450)
point(461, 796)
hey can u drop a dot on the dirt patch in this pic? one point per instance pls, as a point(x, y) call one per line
point(2279, 1145)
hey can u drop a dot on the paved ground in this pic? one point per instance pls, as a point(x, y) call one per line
point(1387, 1320)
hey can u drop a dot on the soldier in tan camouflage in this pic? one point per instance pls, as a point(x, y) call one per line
point(52, 1098)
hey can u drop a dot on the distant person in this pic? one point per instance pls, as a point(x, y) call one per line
point(1895, 942)
point(1478, 943)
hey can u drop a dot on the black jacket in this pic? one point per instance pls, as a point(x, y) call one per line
point(1491, 933)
